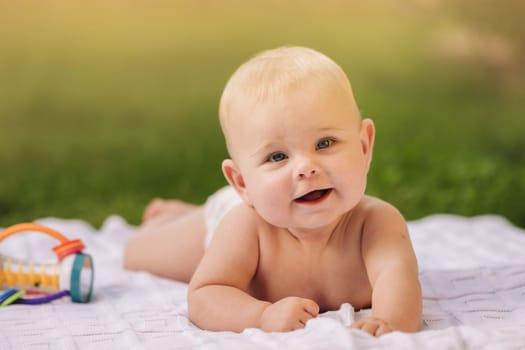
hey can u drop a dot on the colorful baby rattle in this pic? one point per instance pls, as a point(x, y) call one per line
point(72, 274)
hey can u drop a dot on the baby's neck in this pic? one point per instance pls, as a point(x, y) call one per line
point(317, 239)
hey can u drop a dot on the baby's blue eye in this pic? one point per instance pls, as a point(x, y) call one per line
point(324, 143)
point(277, 157)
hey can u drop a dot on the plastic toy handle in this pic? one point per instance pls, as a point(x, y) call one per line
point(11, 230)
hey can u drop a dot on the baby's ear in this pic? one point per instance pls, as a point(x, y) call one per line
point(233, 176)
point(367, 135)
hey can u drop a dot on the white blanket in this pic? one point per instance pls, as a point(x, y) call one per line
point(472, 272)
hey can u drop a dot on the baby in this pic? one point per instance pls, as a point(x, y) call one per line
point(294, 234)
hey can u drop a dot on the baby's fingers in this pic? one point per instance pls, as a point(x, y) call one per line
point(311, 307)
point(369, 327)
point(305, 317)
point(373, 326)
point(383, 329)
point(358, 324)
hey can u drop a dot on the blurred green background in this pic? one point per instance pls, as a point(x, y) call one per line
point(106, 104)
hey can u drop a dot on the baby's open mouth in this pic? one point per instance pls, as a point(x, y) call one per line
point(314, 196)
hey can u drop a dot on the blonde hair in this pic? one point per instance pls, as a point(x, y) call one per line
point(273, 72)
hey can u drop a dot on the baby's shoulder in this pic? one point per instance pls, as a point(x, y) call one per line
point(372, 212)
point(243, 218)
point(377, 214)
point(248, 222)
point(238, 227)
point(241, 215)
point(376, 207)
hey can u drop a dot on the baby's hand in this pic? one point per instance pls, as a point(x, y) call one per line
point(288, 314)
point(373, 325)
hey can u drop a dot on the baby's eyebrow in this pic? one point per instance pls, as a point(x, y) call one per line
point(264, 149)
point(327, 129)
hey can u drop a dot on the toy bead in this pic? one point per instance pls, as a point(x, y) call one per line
point(67, 248)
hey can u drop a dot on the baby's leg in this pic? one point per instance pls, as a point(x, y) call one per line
point(168, 246)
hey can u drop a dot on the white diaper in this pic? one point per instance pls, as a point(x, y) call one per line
point(216, 206)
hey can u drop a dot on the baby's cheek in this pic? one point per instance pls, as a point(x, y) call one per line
point(273, 211)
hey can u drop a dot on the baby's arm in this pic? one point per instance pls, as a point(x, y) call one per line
point(392, 269)
point(217, 296)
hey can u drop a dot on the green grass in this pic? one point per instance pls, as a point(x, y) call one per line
point(103, 107)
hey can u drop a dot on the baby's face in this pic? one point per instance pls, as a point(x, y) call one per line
point(303, 157)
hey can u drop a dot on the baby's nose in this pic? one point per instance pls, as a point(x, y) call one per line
point(307, 168)
point(307, 173)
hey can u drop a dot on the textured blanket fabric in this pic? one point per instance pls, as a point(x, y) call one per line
point(472, 272)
